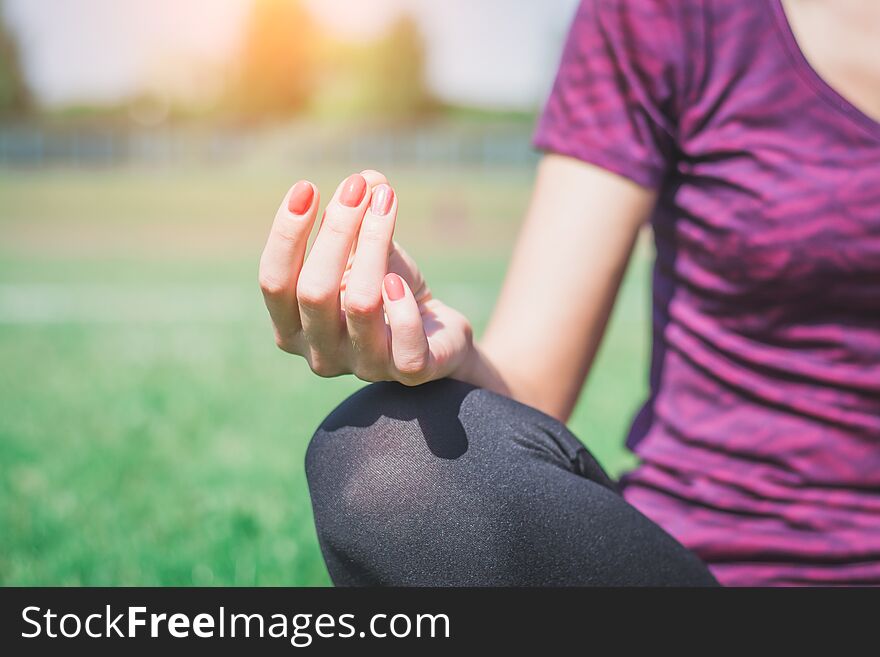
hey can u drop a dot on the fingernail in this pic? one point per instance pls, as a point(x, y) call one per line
point(353, 190)
point(383, 199)
point(394, 287)
point(300, 198)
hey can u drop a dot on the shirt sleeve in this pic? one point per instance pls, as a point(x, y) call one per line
point(618, 89)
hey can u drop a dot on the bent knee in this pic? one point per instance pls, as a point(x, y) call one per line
point(386, 410)
point(398, 471)
point(375, 469)
point(383, 435)
point(387, 421)
point(388, 441)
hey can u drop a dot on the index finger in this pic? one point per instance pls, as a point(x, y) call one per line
point(282, 257)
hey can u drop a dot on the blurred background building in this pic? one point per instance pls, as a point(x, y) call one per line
point(104, 82)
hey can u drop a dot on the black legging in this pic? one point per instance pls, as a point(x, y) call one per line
point(447, 484)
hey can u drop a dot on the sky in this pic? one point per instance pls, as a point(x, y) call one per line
point(490, 53)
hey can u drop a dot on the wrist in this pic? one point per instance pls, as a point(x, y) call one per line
point(466, 369)
point(477, 369)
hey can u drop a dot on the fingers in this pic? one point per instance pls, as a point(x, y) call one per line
point(303, 297)
point(409, 344)
point(363, 291)
point(373, 177)
point(282, 258)
point(319, 282)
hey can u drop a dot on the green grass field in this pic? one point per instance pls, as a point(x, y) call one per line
point(150, 431)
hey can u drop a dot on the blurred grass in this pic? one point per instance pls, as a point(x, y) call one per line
point(150, 432)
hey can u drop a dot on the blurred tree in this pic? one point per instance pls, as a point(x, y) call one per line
point(15, 97)
point(383, 78)
point(394, 71)
point(275, 73)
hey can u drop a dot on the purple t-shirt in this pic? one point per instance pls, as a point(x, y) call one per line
point(760, 442)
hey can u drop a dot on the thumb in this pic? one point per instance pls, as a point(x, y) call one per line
point(402, 264)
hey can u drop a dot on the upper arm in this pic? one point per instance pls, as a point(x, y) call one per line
point(610, 125)
point(570, 257)
point(625, 76)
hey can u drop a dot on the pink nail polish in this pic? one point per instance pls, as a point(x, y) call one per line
point(353, 190)
point(300, 198)
point(394, 287)
point(383, 199)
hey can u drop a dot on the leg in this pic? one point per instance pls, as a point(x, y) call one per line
point(447, 484)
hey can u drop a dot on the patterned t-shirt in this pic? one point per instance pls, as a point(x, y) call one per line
point(760, 442)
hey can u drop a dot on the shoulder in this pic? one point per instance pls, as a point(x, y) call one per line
point(661, 15)
point(660, 44)
point(660, 31)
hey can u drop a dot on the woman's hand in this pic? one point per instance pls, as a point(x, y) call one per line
point(357, 303)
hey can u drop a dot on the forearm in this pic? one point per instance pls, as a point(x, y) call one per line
point(480, 370)
point(536, 377)
point(561, 285)
point(494, 372)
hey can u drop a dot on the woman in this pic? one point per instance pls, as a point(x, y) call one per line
point(748, 133)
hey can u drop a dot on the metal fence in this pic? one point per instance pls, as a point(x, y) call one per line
point(36, 146)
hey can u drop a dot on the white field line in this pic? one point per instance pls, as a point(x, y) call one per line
point(122, 303)
point(51, 303)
